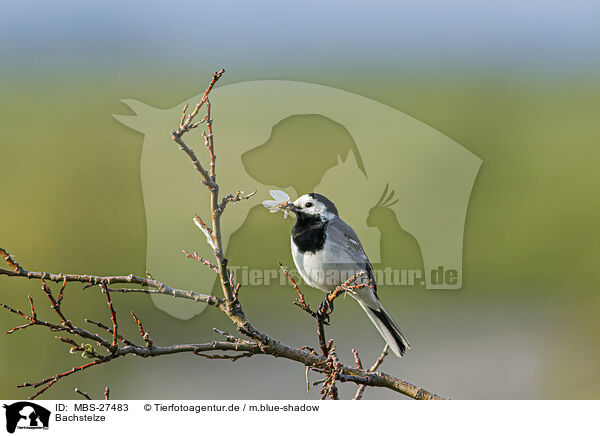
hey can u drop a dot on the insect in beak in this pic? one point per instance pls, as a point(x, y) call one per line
point(281, 202)
point(290, 207)
point(287, 208)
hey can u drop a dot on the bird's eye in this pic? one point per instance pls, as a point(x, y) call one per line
point(309, 204)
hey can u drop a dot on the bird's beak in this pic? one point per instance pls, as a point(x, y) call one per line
point(290, 207)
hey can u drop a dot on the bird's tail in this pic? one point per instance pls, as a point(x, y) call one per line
point(387, 328)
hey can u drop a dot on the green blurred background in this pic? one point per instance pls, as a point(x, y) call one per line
point(523, 98)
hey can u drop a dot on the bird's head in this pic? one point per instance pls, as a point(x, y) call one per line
point(312, 206)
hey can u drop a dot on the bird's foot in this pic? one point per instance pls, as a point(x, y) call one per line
point(325, 308)
point(322, 318)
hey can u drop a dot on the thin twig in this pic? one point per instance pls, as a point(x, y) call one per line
point(113, 315)
point(186, 125)
point(61, 291)
point(357, 359)
point(361, 388)
point(109, 330)
point(83, 394)
point(49, 382)
point(301, 302)
point(144, 334)
point(10, 261)
point(233, 358)
point(239, 196)
point(200, 259)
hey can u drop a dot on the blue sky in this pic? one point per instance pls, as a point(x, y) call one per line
point(534, 34)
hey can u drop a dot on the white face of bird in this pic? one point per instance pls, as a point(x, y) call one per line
point(315, 205)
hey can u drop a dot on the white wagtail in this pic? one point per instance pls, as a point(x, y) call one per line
point(327, 252)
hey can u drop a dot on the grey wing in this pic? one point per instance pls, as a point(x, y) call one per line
point(346, 236)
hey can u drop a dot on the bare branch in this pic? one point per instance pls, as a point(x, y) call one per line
point(379, 360)
point(210, 238)
point(233, 358)
point(32, 319)
point(361, 389)
point(83, 394)
point(113, 315)
point(261, 343)
point(326, 363)
point(91, 280)
point(229, 337)
point(185, 122)
point(183, 146)
point(186, 125)
point(61, 291)
point(50, 381)
point(109, 330)
point(239, 196)
point(202, 260)
point(10, 261)
point(56, 327)
point(357, 359)
point(300, 301)
point(210, 180)
point(144, 334)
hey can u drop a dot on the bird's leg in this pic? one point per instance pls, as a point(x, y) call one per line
point(326, 306)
